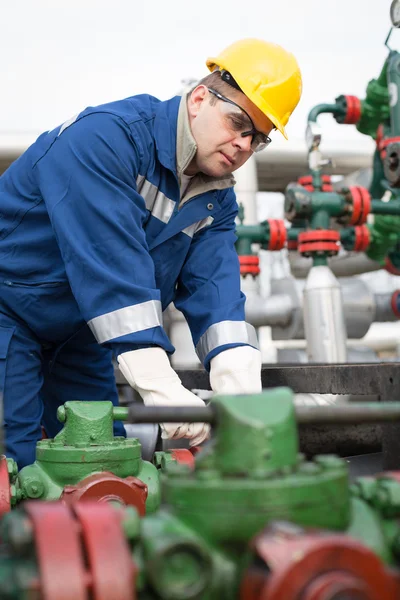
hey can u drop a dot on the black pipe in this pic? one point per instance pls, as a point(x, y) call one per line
point(380, 412)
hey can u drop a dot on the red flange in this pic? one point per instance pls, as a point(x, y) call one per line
point(361, 200)
point(185, 456)
point(5, 491)
point(362, 238)
point(384, 143)
point(107, 553)
point(394, 303)
point(73, 548)
point(306, 182)
point(353, 113)
point(313, 565)
point(292, 245)
point(277, 234)
point(249, 264)
point(319, 235)
point(59, 552)
point(319, 240)
point(107, 487)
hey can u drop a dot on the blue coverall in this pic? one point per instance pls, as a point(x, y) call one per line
point(93, 247)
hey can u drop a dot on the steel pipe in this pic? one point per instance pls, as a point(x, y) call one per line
point(372, 412)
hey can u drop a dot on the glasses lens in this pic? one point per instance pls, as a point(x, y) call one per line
point(235, 118)
point(260, 142)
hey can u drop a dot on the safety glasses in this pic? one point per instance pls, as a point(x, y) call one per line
point(239, 122)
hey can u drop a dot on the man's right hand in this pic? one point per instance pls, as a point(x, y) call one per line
point(149, 372)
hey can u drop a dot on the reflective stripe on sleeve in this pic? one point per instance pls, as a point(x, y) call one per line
point(226, 332)
point(129, 319)
point(68, 123)
point(196, 227)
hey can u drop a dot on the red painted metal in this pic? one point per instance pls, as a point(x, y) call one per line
point(277, 234)
point(384, 143)
point(106, 487)
point(183, 457)
point(363, 238)
point(313, 565)
point(361, 200)
point(249, 265)
point(306, 182)
point(317, 235)
point(353, 113)
point(393, 303)
point(318, 240)
point(331, 247)
point(108, 556)
point(5, 491)
point(58, 550)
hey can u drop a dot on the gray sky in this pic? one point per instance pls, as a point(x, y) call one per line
point(59, 56)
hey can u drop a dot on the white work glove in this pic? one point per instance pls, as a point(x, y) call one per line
point(236, 371)
point(149, 372)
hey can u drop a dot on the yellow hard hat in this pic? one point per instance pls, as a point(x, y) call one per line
point(266, 73)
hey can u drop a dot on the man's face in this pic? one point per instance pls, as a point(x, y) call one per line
point(217, 126)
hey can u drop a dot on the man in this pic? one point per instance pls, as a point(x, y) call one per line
point(108, 219)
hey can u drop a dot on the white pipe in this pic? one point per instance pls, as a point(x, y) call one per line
point(324, 322)
point(352, 263)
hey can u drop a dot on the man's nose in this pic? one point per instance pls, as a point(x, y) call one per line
point(243, 142)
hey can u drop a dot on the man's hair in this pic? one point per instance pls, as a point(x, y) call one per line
point(214, 81)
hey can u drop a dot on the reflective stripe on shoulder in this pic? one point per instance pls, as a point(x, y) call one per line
point(129, 319)
point(68, 123)
point(156, 202)
point(226, 332)
point(196, 227)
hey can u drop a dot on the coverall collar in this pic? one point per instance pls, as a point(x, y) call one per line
point(176, 148)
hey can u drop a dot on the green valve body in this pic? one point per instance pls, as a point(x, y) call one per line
point(85, 446)
point(198, 544)
point(256, 470)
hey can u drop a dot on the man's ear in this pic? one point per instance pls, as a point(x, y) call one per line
point(196, 99)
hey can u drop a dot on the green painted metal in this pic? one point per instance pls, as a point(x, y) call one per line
point(260, 478)
point(384, 234)
point(393, 79)
point(86, 445)
point(375, 106)
point(252, 234)
point(377, 187)
point(196, 545)
point(334, 109)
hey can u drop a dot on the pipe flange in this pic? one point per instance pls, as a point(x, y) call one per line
point(5, 489)
point(297, 564)
point(249, 265)
point(277, 234)
point(306, 181)
point(391, 164)
point(318, 241)
point(351, 106)
point(107, 487)
point(357, 205)
point(362, 238)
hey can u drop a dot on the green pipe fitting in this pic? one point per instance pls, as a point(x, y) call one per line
point(251, 234)
point(334, 109)
point(384, 234)
point(386, 208)
point(393, 79)
point(375, 106)
point(254, 468)
point(85, 446)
